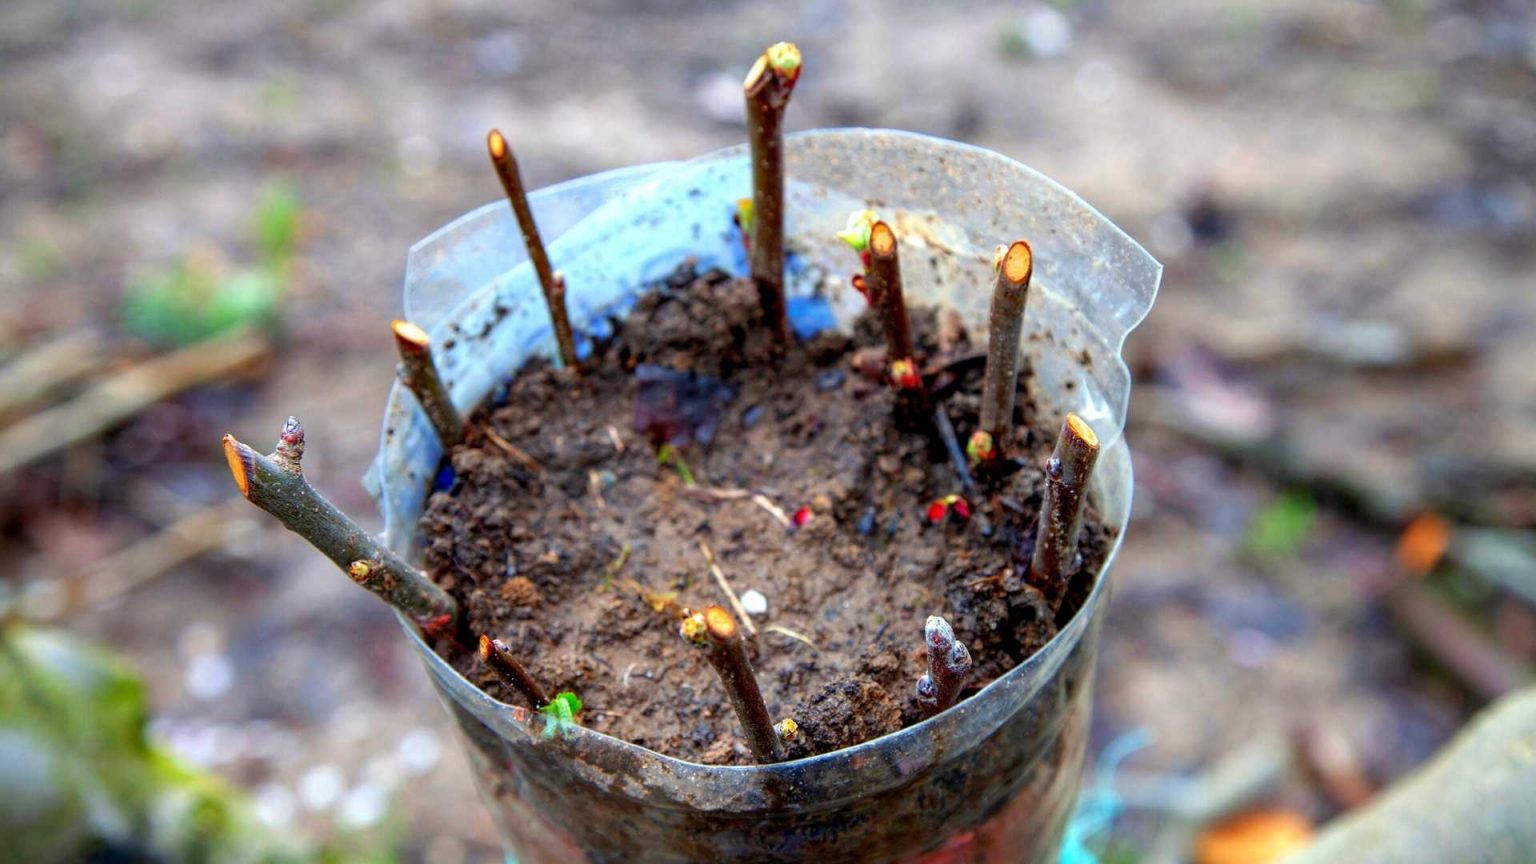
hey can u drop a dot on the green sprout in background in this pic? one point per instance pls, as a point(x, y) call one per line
point(1282, 528)
point(199, 296)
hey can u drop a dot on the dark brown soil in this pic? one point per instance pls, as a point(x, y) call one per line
point(579, 565)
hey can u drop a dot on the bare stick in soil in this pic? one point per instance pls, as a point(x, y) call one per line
point(949, 665)
point(1061, 513)
point(495, 654)
point(767, 90)
point(715, 631)
point(419, 373)
point(1014, 268)
point(276, 484)
point(551, 282)
point(884, 286)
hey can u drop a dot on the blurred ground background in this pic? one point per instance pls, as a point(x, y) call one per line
point(1343, 192)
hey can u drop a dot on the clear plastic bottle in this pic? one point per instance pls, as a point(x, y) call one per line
point(993, 779)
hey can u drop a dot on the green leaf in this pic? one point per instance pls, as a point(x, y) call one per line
point(1280, 529)
point(277, 224)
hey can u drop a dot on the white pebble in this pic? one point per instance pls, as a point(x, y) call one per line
point(754, 602)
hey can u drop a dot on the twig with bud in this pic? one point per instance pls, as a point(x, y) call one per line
point(276, 484)
point(418, 371)
point(1061, 512)
point(1014, 268)
point(949, 666)
point(550, 280)
point(495, 654)
point(715, 631)
point(767, 89)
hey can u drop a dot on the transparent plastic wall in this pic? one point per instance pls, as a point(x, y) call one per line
point(993, 778)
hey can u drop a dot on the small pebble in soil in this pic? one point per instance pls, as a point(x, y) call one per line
point(750, 416)
point(866, 525)
point(754, 602)
point(831, 379)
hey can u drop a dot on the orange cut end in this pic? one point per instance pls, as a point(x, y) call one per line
point(758, 70)
point(1018, 263)
point(487, 648)
point(720, 623)
point(409, 335)
point(1080, 428)
point(1256, 837)
point(1423, 544)
point(237, 465)
point(882, 240)
point(495, 143)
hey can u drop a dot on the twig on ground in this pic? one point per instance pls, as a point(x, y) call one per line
point(773, 510)
point(510, 449)
point(767, 90)
point(792, 634)
point(1067, 475)
point(495, 654)
point(725, 586)
point(35, 375)
point(1455, 644)
point(190, 537)
point(550, 281)
point(276, 484)
point(715, 631)
point(418, 371)
point(124, 394)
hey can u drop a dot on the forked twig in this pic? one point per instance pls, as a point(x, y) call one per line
point(276, 484)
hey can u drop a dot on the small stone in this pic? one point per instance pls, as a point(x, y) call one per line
point(520, 591)
point(754, 602)
point(831, 379)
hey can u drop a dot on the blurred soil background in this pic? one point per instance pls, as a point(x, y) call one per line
point(1343, 193)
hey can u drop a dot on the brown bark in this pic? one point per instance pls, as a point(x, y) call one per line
point(715, 630)
point(495, 654)
point(418, 371)
point(1061, 512)
point(553, 286)
point(276, 484)
point(767, 89)
point(884, 285)
point(1014, 268)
